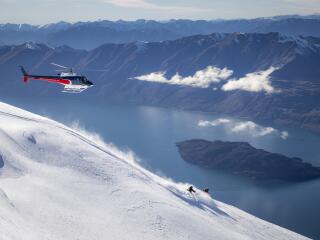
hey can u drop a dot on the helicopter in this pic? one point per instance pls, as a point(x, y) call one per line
point(73, 83)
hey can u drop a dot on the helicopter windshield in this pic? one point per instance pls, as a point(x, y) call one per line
point(86, 81)
point(80, 80)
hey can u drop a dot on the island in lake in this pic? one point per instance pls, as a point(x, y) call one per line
point(243, 159)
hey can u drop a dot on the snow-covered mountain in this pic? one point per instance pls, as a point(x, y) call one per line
point(89, 35)
point(59, 183)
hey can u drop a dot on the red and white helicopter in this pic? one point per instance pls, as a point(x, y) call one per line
point(73, 83)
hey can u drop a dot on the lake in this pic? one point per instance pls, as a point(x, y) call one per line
point(152, 132)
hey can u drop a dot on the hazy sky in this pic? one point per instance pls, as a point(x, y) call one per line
point(47, 11)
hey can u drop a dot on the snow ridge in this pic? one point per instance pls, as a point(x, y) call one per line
point(61, 183)
point(303, 46)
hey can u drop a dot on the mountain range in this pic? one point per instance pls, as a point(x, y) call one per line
point(88, 35)
point(285, 88)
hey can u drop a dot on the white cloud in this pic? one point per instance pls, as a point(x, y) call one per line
point(305, 3)
point(202, 78)
point(214, 123)
point(246, 127)
point(144, 4)
point(133, 3)
point(284, 134)
point(252, 128)
point(252, 82)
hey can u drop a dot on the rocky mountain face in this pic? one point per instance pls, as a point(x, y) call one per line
point(88, 35)
point(241, 158)
point(294, 59)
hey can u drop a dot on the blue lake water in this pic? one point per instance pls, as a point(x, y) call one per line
point(152, 133)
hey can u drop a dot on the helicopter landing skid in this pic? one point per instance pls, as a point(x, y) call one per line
point(74, 88)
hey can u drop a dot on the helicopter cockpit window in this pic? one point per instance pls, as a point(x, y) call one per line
point(78, 80)
point(82, 79)
point(85, 80)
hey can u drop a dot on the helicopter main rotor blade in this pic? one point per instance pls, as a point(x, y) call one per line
point(95, 70)
point(57, 65)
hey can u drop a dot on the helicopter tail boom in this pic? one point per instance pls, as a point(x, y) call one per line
point(25, 74)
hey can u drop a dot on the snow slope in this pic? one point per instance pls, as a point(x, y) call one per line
point(58, 183)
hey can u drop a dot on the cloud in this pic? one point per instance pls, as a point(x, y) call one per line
point(284, 134)
point(252, 128)
point(305, 3)
point(214, 123)
point(133, 4)
point(252, 82)
point(247, 127)
point(144, 4)
point(201, 79)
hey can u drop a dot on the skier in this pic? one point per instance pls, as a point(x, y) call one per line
point(191, 190)
point(206, 190)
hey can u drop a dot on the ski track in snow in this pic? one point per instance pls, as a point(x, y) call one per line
point(60, 183)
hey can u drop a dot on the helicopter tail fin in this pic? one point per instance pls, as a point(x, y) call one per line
point(25, 74)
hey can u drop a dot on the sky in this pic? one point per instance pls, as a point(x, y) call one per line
point(47, 11)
